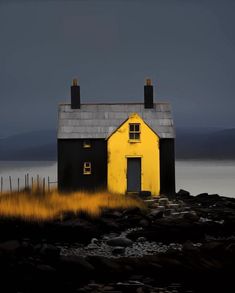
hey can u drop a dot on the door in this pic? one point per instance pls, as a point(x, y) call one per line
point(133, 174)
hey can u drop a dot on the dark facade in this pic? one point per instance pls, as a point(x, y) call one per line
point(72, 155)
point(167, 166)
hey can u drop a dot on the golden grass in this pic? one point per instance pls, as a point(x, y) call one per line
point(35, 206)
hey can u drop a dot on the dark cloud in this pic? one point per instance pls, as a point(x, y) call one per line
point(187, 47)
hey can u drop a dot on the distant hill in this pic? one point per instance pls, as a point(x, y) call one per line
point(36, 145)
point(205, 144)
point(191, 143)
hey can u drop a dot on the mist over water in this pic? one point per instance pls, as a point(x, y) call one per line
point(206, 176)
point(192, 175)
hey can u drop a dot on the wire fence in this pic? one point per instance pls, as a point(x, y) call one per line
point(18, 184)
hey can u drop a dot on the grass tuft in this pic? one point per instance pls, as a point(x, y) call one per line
point(36, 206)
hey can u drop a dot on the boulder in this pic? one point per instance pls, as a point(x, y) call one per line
point(45, 269)
point(155, 214)
point(183, 193)
point(118, 250)
point(119, 241)
point(230, 248)
point(50, 251)
point(76, 264)
point(190, 216)
point(188, 247)
point(132, 211)
point(145, 194)
point(144, 223)
point(10, 247)
point(104, 265)
point(163, 201)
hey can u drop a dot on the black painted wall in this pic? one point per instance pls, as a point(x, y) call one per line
point(72, 155)
point(167, 166)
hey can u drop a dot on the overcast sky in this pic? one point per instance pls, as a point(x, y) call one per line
point(187, 47)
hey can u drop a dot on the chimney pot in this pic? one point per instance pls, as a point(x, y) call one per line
point(148, 81)
point(75, 81)
point(75, 95)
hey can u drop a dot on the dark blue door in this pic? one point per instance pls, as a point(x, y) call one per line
point(133, 174)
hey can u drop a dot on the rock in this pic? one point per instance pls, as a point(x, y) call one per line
point(230, 248)
point(202, 195)
point(141, 239)
point(161, 208)
point(50, 251)
point(208, 199)
point(119, 241)
point(47, 269)
point(103, 264)
point(167, 212)
point(25, 249)
point(155, 214)
point(140, 290)
point(151, 203)
point(189, 247)
point(94, 241)
point(155, 205)
point(144, 223)
point(163, 201)
point(117, 214)
point(183, 193)
point(118, 250)
point(145, 193)
point(173, 206)
point(213, 248)
point(190, 215)
point(175, 214)
point(108, 288)
point(76, 264)
point(9, 247)
point(132, 211)
point(109, 224)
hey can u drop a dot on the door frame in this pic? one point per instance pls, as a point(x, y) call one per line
point(141, 173)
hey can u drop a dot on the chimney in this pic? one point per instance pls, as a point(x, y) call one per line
point(75, 95)
point(148, 94)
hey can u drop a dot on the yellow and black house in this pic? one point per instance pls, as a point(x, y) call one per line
point(121, 147)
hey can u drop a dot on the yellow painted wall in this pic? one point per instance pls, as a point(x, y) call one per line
point(119, 148)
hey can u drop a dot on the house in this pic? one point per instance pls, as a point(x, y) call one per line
point(122, 147)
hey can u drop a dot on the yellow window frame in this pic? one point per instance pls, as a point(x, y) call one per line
point(134, 131)
point(87, 168)
point(86, 144)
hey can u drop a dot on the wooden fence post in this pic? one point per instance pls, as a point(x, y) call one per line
point(10, 184)
point(18, 183)
point(43, 185)
point(48, 182)
point(37, 182)
point(27, 180)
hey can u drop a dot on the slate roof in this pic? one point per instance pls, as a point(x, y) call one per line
point(100, 120)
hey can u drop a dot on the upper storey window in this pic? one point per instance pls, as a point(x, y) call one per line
point(134, 131)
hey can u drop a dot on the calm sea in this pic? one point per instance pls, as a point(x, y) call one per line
point(194, 176)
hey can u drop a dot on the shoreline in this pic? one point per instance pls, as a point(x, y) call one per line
point(197, 233)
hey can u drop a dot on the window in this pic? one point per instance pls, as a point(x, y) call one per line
point(87, 168)
point(134, 131)
point(86, 144)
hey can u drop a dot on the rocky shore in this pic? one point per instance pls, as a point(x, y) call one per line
point(183, 243)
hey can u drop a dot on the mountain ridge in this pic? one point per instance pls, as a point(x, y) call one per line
point(191, 143)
